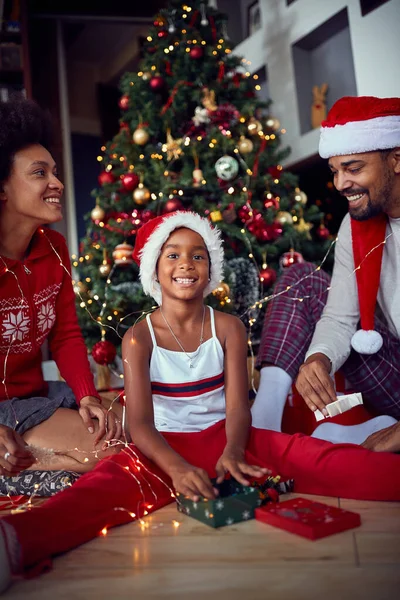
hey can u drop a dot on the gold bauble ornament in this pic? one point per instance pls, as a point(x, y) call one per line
point(140, 136)
point(222, 292)
point(141, 195)
point(273, 123)
point(300, 197)
point(197, 177)
point(245, 145)
point(216, 216)
point(80, 288)
point(104, 269)
point(97, 213)
point(122, 254)
point(254, 126)
point(284, 218)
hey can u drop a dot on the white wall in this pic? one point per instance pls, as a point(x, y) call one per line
point(375, 41)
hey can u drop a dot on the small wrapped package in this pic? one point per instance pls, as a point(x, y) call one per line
point(234, 503)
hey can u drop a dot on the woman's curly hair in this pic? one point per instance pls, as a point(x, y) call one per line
point(22, 123)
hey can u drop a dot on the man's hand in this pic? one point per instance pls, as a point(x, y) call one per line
point(385, 440)
point(109, 424)
point(233, 462)
point(14, 453)
point(314, 383)
point(192, 481)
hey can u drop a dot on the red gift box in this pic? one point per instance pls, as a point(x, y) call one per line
point(307, 518)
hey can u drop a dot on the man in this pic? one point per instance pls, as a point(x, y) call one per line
point(361, 139)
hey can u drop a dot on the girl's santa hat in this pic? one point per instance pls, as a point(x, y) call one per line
point(152, 236)
point(354, 126)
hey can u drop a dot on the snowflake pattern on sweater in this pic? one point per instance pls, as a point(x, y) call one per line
point(16, 327)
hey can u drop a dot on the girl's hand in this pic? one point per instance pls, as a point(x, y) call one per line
point(109, 424)
point(233, 462)
point(14, 453)
point(192, 482)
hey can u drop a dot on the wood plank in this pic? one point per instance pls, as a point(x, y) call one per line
point(231, 583)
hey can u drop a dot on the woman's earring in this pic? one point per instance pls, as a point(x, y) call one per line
point(209, 279)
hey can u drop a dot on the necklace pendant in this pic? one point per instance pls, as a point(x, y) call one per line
point(191, 365)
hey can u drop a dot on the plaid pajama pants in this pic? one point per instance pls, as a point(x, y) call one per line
point(289, 326)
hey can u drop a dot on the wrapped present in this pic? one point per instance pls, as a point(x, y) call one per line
point(272, 487)
point(307, 518)
point(235, 503)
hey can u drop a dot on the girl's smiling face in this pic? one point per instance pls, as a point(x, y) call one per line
point(183, 267)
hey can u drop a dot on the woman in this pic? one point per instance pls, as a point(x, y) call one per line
point(37, 303)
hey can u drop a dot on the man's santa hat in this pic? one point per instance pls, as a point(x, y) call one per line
point(152, 236)
point(354, 126)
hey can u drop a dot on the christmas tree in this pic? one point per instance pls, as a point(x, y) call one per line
point(193, 136)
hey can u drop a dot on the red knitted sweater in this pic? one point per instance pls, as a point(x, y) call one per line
point(38, 303)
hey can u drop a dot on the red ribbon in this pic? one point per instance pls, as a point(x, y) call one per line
point(256, 164)
point(193, 19)
point(213, 29)
point(173, 94)
point(221, 71)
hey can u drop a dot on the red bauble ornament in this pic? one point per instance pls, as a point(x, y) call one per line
point(196, 52)
point(124, 102)
point(290, 258)
point(106, 177)
point(147, 215)
point(275, 172)
point(323, 232)
point(172, 204)
point(262, 234)
point(267, 276)
point(162, 33)
point(104, 352)
point(275, 230)
point(157, 83)
point(271, 203)
point(130, 181)
point(243, 213)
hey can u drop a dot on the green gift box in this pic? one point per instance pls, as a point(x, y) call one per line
point(235, 503)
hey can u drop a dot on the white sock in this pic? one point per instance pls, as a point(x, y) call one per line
point(5, 570)
point(268, 406)
point(351, 434)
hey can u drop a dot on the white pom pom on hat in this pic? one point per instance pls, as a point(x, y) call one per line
point(152, 236)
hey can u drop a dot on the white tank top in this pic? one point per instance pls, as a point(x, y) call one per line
point(184, 398)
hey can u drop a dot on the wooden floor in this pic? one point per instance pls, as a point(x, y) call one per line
point(245, 561)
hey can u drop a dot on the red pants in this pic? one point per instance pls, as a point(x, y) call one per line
point(129, 483)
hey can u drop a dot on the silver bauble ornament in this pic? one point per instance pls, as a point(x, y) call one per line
point(227, 167)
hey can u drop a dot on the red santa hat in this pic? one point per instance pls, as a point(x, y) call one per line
point(354, 126)
point(152, 236)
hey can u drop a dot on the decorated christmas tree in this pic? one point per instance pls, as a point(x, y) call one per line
point(193, 136)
